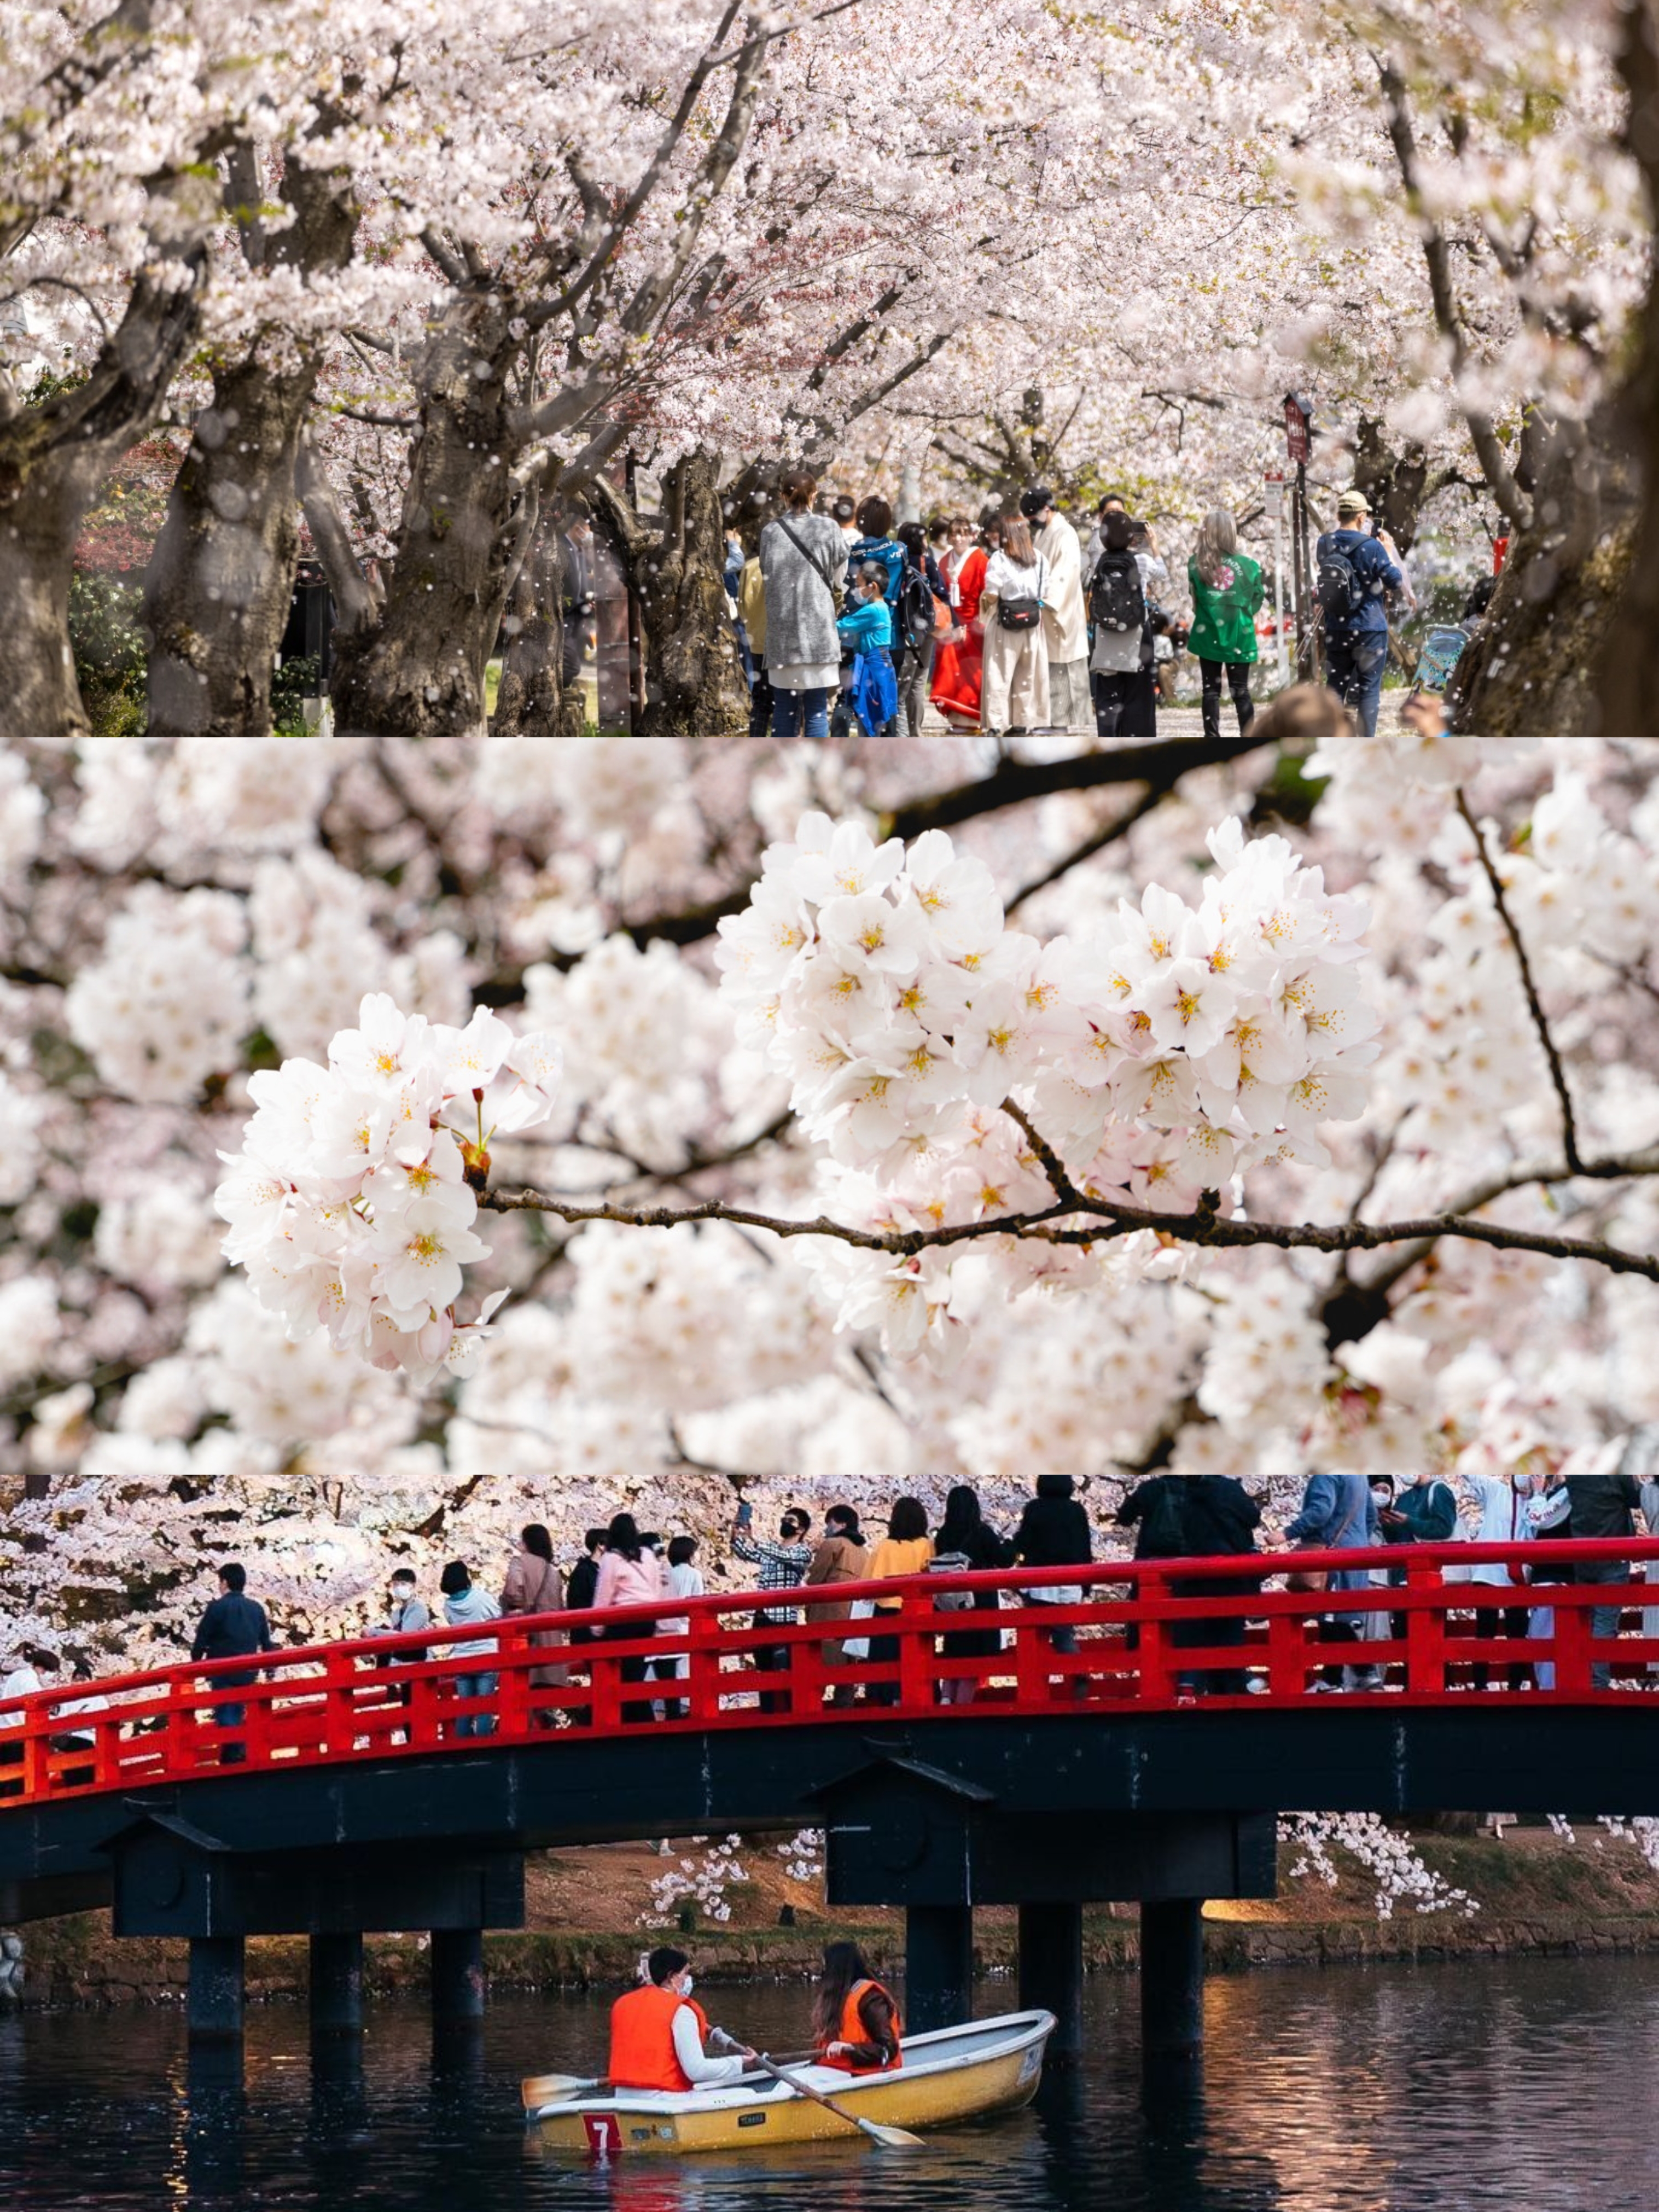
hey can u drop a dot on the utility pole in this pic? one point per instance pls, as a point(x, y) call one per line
point(1298, 421)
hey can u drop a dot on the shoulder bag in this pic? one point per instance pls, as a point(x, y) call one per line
point(1023, 613)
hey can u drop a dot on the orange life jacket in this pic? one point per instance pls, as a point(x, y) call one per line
point(642, 2054)
point(853, 2030)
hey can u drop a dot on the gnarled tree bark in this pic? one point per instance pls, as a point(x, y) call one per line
point(221, 577)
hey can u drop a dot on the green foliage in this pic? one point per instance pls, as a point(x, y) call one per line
point(109, 649)
point(299, 678)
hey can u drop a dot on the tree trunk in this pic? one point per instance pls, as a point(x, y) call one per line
point(1626, 671)
point(1395, 483)
point(53, 456)
point(1533, 668)
point(416, 670)
point(530, 702)
point(694, 683)
point(221, 578)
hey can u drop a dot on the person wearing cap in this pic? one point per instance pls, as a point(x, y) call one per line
point(1065, 622)
point(1355, 566)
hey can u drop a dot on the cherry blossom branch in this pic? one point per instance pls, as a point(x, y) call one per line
point(1558, 1073)
point(1096, 842)
point(1162, 764)
point(1204, 1225)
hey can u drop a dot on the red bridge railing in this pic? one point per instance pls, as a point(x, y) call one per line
point(1146, 1640)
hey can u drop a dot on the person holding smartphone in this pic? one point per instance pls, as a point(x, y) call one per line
point(782, 1566)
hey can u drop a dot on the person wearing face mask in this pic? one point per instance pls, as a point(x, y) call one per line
point(1501, 1501)
point(658, 2036)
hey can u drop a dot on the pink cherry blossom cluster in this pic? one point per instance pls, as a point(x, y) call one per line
point(1161, 1055)
point(350, 1204)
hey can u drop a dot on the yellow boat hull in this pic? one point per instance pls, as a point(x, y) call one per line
point(937, 2087)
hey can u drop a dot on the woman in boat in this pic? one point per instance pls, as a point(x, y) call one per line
point(855, 2023)
point(658, 2036)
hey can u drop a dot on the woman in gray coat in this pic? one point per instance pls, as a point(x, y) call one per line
point(803, 559)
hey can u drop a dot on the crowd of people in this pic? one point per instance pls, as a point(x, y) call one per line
point(1017, 625)
point(1167, 1516)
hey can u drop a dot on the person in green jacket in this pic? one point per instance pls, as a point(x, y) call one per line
point(1227, 593)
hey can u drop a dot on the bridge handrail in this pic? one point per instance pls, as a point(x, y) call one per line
point(1132, 1634)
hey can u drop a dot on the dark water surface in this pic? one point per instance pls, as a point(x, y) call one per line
point(1531, 2086)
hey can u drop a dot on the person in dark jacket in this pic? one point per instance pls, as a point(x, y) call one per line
point(964, 1534)
point(1603, 1506)
point(231, 1627)
point(1357, 637)
point(1197, 1517)
point(579, 1586)
point(1053, 1532)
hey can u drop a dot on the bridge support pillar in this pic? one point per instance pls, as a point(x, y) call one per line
point(1051, 1972)
point(213, 2009)
point(336, 1984)
point(457, 1975)
point(939, 1965)
point(1171, 1987)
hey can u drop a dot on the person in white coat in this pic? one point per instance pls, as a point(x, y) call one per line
point(1065, 620)
point(1015, 696)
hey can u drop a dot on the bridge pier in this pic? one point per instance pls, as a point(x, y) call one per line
point(1171, 1989)
point(457, 1977)
point(939, 1965)
point(336, 1984)
point(1051, 1973)
point(213, 2008)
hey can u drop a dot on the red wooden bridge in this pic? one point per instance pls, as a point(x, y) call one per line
point(1135, 1742)
point(1143, 1644)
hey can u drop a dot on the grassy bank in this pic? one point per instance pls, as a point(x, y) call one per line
point(1537, 1894)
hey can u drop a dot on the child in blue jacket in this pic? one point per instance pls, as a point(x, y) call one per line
point(867, 628)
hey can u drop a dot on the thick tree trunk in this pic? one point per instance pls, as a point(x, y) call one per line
point(530, 702)
point(416, 670)
point(1395, 483)
point(40, 511)
point(1626, 673)
point(1547, 640)
point(53, 456)
point(694, 683)
point(221, 578)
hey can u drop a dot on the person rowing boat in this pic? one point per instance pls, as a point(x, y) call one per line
point(658, 2036)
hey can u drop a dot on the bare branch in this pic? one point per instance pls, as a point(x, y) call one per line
point(1096, 842)
point(1558, 1073)
point(1161, 764)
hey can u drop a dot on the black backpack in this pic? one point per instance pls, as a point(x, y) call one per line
point(1117, 599)
point(916, 610)
point(1337, 587)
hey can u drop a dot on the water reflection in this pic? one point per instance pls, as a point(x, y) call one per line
point(1441, 2089)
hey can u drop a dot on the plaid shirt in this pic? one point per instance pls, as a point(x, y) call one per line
point(782, 1566)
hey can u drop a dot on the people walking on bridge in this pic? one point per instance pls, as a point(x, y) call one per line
point(682, 1578)
point(1549, 1511)
point(405, 1612)
point(534, 1585)
point(25, 1661)
point(904, 1550)
point(1053, 1532)
point(1198, 1517)
point(579, 1586)
point(842, 1556)
point(783, 1566)
point(465, 1604)
point(1501, 1501)
point(1338, 1514)
point(630, 1574)
point(1603, 1506)
point(966, 1544)
point(232, 1627)
point(659, 2035)
point(856, 2027)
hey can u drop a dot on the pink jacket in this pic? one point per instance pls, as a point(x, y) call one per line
point(629, 1582)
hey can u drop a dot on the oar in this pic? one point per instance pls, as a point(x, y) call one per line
point(552, 2088)
point(888, 2138)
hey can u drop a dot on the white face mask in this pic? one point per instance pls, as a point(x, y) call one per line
point(686, 1984)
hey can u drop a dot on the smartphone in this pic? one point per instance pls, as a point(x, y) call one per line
point(745, 1513)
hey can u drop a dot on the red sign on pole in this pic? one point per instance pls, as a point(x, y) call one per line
point(1296, 430)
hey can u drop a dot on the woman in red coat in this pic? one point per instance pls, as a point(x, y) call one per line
point(959, 662)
